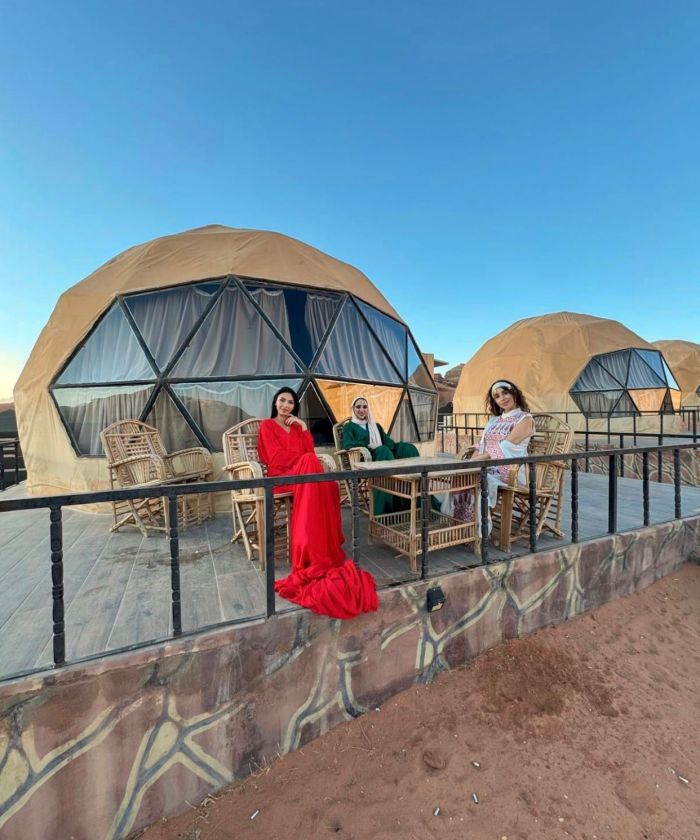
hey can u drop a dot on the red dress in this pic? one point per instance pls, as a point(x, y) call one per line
point(323, 579)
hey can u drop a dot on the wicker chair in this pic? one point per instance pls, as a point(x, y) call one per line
point(551, 437)
point(346, 460)
point(240, 445)
point(136, 457)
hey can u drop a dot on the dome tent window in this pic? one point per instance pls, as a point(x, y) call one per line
point(625, 383)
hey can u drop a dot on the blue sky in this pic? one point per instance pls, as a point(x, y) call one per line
point(481, 161)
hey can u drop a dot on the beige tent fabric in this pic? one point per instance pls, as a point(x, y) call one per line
point(543, 356)
point(198, 254)
point(683, 357)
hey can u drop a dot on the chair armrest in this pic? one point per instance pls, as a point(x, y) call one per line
point(327, 462)
point(253, 469)
point(466, 452)
point(352, 456)
point(193, 460)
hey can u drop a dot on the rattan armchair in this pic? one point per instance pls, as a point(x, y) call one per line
point(240, 445)
point(136, 457)
point(346, 460)
point(551, 437)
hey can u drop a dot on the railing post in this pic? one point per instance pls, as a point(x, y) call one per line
point(634, 429)
point(2, 466)
point(56, 539)
point(269, 512)
point(622, 457)
point(612, 494)
point(484, 513)
point(355, 519)
point(587, 446)
point(532, 500)
point(574, 500)
point(424, 514)
point(695, 425)
point(645, 486)
point(677, 483)
point(608, 429)
point(174, 564)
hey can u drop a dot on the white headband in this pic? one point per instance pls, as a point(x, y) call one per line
point(501, 384)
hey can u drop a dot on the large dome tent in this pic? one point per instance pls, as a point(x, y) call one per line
point(196, 331)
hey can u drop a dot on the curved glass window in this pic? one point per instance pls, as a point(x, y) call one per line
point(626, 382)
point(86, 411)
point(179, 309)
point(111, 353)
point(195, 359)
point(216, 406)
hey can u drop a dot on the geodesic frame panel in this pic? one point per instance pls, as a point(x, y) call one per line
point(195, 359)
point(625, 383)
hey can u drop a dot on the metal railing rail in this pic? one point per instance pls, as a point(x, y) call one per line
point(690, 416)
point(55, 505)
point(446, 427)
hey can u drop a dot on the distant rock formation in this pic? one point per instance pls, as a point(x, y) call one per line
point(452, 374)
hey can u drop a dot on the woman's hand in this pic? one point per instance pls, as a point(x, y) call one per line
point(292, 419)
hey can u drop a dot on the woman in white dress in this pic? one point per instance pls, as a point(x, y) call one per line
point(506, 435)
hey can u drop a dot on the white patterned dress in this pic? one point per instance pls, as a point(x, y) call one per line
point(493, 441)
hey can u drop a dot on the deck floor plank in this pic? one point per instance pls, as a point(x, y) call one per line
point(117, 586)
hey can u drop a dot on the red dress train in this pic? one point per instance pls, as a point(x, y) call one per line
point(323, 579)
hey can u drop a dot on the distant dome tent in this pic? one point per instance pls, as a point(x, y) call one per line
point(195, 332)
point(684, 359)
point(570, 362)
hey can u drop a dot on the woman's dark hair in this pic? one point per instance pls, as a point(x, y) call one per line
point(295, 410)
point(520, 401)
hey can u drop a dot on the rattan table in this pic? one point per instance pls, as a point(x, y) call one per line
point(402, 531)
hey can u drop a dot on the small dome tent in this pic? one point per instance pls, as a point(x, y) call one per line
point(684, 360)
point(571, 362)
point(195, 332)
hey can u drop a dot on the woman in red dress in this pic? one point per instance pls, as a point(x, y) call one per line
point(323, 579)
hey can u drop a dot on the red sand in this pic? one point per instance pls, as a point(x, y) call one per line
point(580, 731)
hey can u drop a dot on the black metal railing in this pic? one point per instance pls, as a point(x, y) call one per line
point(448, 424)
point(55, 505)
point(689, 416)
point(12, 469)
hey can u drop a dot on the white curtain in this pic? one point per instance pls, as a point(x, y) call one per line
point(318, 312)
point(112, 353)
point(391, 334)
point(216, 406)
point(272, 303)
point(90, 410)
point(234, 339)
point(165, 318)
point(352, 351)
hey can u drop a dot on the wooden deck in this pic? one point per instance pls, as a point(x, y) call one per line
point(117, 586)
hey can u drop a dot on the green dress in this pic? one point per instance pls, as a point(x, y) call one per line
point(355, 435)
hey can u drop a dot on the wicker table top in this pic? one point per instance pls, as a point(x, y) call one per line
point(420, 461)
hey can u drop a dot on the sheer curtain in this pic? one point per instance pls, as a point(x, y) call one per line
point(318, 311)
point(216, 406)
point(391, 334)
point(87, 411)
point(165, 318)
point(272, 303)
point(352, 351)
point(232, 339)
point(110, 354)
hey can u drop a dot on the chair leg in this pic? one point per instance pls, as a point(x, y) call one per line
point(506, 519)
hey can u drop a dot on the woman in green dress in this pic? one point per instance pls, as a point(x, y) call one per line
point(362, 430)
